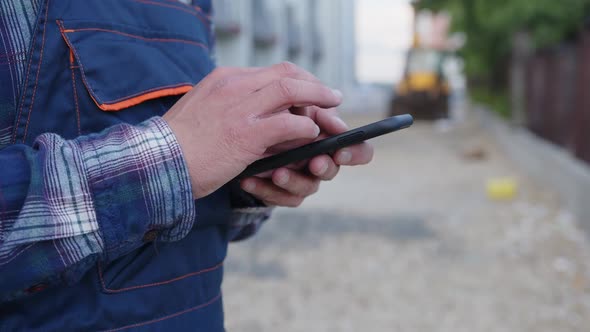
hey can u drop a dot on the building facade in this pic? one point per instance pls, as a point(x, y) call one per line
point(318, 35)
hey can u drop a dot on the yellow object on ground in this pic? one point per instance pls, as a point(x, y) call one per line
point(502, 188)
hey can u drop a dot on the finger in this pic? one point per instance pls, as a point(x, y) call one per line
point(280, 70)
point(290, 69)
point(254, 80)
point(330, 122)
point(269, 193)
point(359, 154)
point(324, 167)
point(282, 128)
point(305, 111)
point(327, 119)
point(310, 111)
point(295, 183)
point(288, 92)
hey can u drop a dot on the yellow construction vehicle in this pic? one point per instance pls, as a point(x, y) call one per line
point(423, 90)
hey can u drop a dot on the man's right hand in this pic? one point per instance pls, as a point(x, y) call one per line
point(234, 115)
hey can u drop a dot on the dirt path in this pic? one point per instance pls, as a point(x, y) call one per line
point(412, 243)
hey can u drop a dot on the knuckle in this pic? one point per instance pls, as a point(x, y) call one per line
point(287, 68)
point(287, 89)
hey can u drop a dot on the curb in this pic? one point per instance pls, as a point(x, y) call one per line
point(547, 163)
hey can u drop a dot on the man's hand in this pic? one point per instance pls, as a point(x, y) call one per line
point(234, 115)
point(289, 186)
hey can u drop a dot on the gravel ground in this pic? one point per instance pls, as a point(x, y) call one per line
point(412, 243)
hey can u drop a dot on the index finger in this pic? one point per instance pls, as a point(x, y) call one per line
point(288, 92)
point(261, 77)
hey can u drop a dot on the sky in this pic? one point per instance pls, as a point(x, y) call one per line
point(384, 33)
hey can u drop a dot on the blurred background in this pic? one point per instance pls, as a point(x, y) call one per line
point(477, 218)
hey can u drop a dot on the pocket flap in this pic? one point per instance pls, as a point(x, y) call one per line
point(123, 66)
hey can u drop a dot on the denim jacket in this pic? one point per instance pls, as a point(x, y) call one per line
point(98, 228)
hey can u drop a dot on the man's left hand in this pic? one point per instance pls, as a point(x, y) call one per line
point(289, 186)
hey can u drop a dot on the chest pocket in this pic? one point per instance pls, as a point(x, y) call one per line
point(128, 72)
point(128, 68)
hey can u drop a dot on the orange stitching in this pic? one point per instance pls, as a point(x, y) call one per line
point(22, 102)
point(163, 40)
point(192, 274)
point(106, 107)
point(150, 90)
point(63, 35)
point(38, 71)
point(145, 96)
point(200, 306)
point(75, 92)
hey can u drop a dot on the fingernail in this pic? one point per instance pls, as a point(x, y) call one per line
point(323, 169)
point(283, 179)
point(317, 130)
point(337, 93)
point(249, 186)
point(344, 157)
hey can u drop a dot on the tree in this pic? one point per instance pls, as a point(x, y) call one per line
point(490, 25)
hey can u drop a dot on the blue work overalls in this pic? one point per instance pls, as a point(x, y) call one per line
point(96, 63)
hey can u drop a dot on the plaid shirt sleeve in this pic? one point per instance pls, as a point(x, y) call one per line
point(65, 204)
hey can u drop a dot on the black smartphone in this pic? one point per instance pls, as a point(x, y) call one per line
point(329, 145)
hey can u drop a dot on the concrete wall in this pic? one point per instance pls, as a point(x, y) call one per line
point(278, 53)
point(237, 50)
point(334, 20)
point(547, 163)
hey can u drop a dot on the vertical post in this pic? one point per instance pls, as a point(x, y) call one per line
point(521, 53)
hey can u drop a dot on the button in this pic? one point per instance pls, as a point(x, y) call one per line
point(150, 236)
point(36, 288)
point(352, 138)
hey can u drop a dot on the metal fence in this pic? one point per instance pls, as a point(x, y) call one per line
point(558, 95)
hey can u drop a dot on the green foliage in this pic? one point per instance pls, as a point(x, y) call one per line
point(489, 26)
